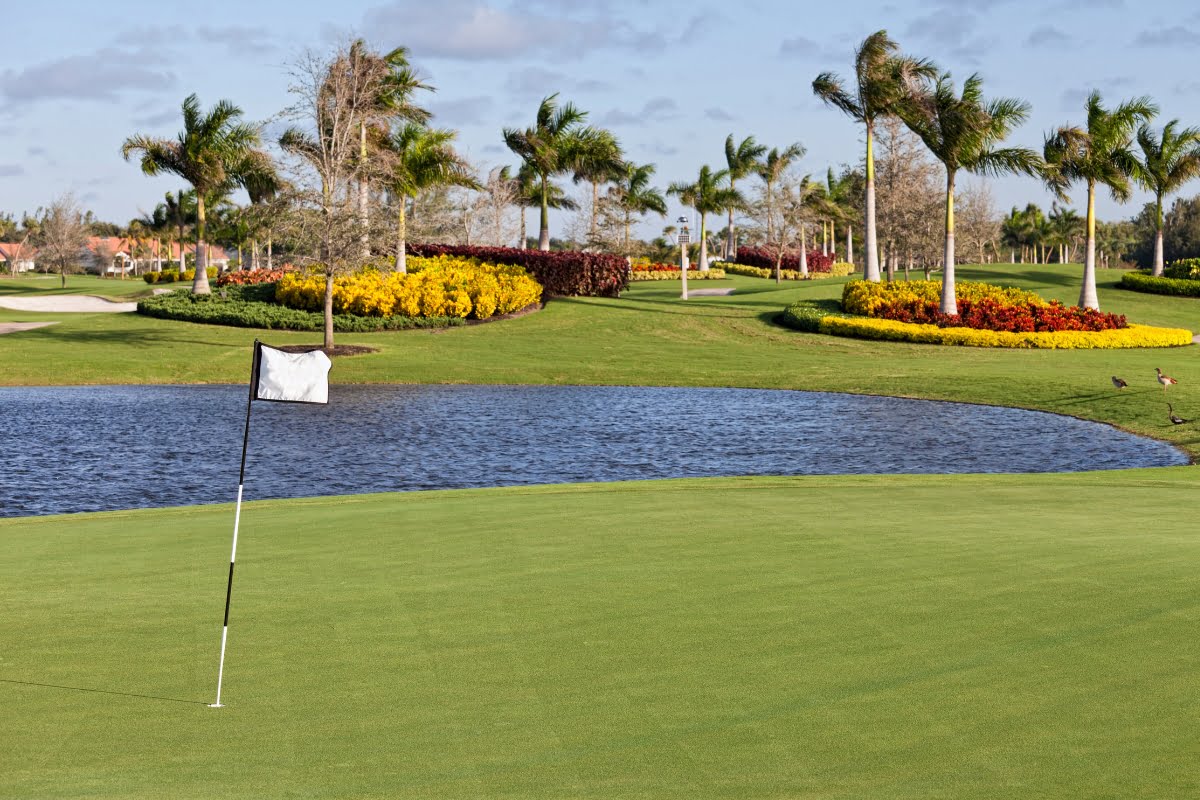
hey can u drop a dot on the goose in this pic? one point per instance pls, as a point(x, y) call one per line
point(1165, 380)
point(1117, 382)
point(1171, 416)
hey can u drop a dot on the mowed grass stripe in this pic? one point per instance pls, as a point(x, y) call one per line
point(927, 636)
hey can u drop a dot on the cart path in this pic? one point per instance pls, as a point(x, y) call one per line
point(66, 303)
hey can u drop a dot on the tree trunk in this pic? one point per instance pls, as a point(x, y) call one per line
point(62, 273)
point(803, 250)
point(401, 237)
point(770, 211)
point(949, 300)
point(270, 255)
point(1087, 295)
point(595, 211)
point(703, 243)
point(731, 239)
point(849, 244)
point(524, 235)
point(1158, 237)
point(364, 189)
point(544, 222)
point(871, 256)
point(200, 282)
point(328, 310)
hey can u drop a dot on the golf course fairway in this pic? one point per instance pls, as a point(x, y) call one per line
point(834, 637)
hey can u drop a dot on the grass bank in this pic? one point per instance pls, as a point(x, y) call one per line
point(986, 637)
point(650, 337)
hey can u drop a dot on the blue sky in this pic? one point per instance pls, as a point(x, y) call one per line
point(672, 79)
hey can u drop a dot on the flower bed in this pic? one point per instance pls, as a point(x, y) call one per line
point(564, 274)
point(251, 276)
point(445, 286)
point(664, 272)
point(837, 269)
point(980, 306)
point(890, 330)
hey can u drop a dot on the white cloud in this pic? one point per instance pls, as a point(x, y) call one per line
point(102, 75)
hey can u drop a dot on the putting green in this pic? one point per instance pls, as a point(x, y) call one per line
point(833, 637)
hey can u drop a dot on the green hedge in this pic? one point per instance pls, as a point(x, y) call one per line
point(248, 307)
point(1141, 282)
point(806, 315)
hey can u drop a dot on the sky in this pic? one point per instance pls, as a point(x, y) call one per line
point(672, 79)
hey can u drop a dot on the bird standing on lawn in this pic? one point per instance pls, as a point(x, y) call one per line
point(1117, 382)
point(1165, 380)
point(1171, 416)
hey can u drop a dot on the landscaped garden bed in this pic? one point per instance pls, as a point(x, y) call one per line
point(435, 293)
point(989, 316)
point(669, 272)
point(1180, 278)
point(836, 269)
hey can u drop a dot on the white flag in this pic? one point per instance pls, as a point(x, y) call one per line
point(292, 377)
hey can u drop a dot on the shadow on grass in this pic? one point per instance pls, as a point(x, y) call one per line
point(135, 336)
point(104, 691)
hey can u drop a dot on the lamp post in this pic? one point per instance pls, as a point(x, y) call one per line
point(685, 238)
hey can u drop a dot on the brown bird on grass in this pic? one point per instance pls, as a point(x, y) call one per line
point(1117, 382)
point(1171, 416)
point(1165, 380)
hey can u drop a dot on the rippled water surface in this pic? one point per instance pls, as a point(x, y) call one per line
point(94, 448)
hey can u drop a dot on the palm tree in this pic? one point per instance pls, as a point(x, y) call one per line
point(209, 150)
point(422, 158)
point(1098, 154)
point(1168, 161)
point(551, 147)
point(771, 169)
point(882, 79)
point(1066, 224)
point(529, 195)
point(262, 184)
point(598, 161)
point(707, 196)
point(740, 161)
point(635, 195)
point(962, 132)
point(397, 82)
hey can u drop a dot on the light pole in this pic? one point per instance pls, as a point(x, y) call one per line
point(685, 238)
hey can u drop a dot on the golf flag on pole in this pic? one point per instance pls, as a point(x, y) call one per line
point(291, 377)
point(279, 376)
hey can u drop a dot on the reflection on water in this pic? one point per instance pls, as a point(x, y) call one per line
point(94, 448)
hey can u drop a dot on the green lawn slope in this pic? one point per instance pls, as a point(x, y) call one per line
point(849, 637)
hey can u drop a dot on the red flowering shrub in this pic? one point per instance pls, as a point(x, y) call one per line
point(992, 315)
point(765, 259)
point(559, 273)
point(246, 277)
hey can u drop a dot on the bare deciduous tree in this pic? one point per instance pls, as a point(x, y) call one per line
point(63, 236)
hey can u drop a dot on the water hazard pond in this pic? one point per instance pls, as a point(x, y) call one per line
point(94, 448)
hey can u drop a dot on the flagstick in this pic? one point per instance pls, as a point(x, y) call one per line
point(237, 517)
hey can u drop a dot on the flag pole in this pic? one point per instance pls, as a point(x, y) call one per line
point(237, 516)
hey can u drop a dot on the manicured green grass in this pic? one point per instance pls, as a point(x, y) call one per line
point(910, 636)
point(37, 284)
point(650, 337)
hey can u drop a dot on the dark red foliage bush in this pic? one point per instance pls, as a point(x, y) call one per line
point(765, 259)
point(560, 273)
point(991, 315)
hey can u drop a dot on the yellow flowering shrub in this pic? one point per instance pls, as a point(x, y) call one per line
point(443, 286)
point(866, 298)
point(890, 330)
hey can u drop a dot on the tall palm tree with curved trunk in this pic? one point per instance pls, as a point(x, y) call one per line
point(707, 195)
point(422, 158)
point(882, 79)
point(599, 161)
point(396, 81)
point(741, 160)
point(529, 195)
point(208, 152)
point(1169, 160)
point(636, 196)
point(1099, 154)
point(772, 169)
point(551, 147)
point(962, 132)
